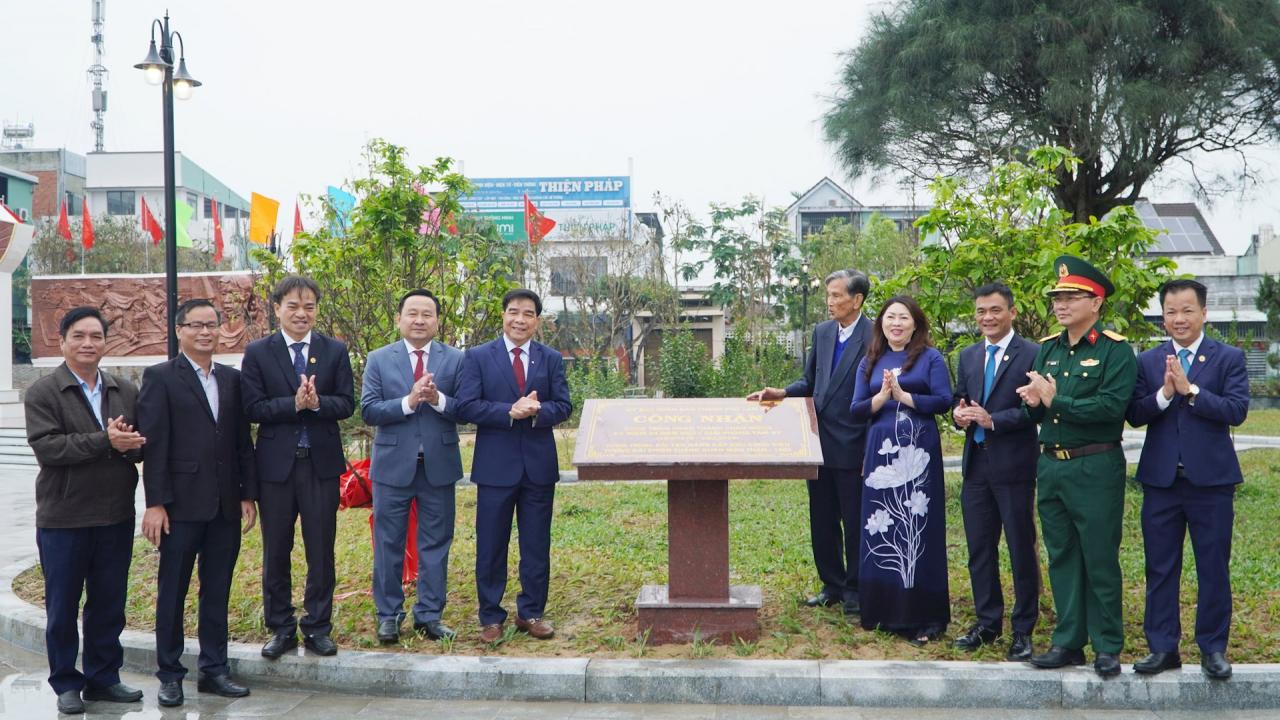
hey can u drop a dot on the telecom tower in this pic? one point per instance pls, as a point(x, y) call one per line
point(98, 71)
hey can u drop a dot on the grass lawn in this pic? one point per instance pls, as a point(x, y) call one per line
point(609, 539)
point(1261, 422)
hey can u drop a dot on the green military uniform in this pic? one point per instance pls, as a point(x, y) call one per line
point(1080, 489)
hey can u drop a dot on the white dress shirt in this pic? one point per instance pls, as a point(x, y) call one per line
point(306, 352)
point(209, 382)
point(847, 331)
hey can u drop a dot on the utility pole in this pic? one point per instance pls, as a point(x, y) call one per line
point(98, 72)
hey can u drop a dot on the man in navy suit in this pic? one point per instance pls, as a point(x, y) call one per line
point(514, 390)
point(200, 485)
point(297, 384)
point(408, 395)
point(1190, 392)
point(999, 465)
point(835, 497)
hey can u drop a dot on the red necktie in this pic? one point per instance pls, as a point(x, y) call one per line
point(518, 367)
point(417, 366)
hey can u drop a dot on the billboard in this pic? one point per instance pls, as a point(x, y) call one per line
point(584, 208)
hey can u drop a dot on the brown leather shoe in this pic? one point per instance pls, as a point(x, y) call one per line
point(540, 628)
point(491, 633)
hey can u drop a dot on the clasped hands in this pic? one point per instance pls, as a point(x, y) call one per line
point(306, 397)
point(424, 391)
point(1040, 390)
point(527, 406)
point(889, 388)
point(967, 413)
point(122, 436)
point(1175, 378)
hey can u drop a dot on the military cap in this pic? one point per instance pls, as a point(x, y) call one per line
point(1076, 275)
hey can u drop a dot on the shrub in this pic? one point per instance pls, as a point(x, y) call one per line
point(591, 378)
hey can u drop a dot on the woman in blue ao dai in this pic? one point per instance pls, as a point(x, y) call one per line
point(902, 384)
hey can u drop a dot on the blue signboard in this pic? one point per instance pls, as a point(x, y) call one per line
point(613, 191)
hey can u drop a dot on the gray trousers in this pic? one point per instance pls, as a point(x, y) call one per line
point(434, 537)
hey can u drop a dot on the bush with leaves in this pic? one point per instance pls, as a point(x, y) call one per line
point(748, 365)
point(684, 367)
point(592, 378)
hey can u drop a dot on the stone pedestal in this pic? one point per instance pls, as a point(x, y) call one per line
point(697, 446)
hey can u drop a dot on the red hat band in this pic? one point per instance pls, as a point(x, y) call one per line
point(1080, 282)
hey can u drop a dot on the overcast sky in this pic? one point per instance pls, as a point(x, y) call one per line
point(709, 100)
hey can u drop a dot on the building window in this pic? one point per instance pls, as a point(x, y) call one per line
point(576, 274)
point(75, 204)
point(193, 200)
point(208, 207)
point(121, 202)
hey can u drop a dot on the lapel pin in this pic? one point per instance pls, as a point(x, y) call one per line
point(1201, 358)
point(313, 361)
point(1006, 357)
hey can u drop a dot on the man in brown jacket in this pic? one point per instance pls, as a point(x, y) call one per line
point(80, 427)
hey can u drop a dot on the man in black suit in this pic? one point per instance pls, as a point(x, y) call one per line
point(200, 486)
point(835, 498)
point(1000, 454)
point(297, 384)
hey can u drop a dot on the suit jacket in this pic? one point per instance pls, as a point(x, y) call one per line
point(388, 378)
point(507, 450)
point(268, 386)
point(83, 481)
point(1203, 429)
point(1012, 446)
point(841, 437)
point(194, 465)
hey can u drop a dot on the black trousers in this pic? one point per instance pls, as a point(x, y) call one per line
point(216, 544)
point(95, 561)
point(989, 507)
point(280, 504)
point(835, 501)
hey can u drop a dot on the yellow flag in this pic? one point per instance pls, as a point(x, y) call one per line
point(262, 218)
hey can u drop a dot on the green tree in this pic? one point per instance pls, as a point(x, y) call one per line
point(684, 367)
point(1126, 85)
point(748, 365)
point(1007, 228)
point(1269, 302)
point(400, 236)
point(751, 252)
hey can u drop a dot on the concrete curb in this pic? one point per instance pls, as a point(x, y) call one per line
point(727, 682)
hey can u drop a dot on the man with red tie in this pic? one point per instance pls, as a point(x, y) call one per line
point(514, 390)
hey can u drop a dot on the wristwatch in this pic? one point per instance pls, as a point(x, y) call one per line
point(1192, 393)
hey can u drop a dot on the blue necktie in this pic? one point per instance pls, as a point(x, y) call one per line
point(1184, 355)
point(988, 379)
point(300, 368)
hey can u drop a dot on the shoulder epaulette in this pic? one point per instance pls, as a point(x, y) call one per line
point(1047, 338)
point(1115, 336)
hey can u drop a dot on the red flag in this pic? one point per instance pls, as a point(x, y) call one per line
point(217, 230)
point(86, 232)
point(149, 224)
point(536, 225)
point(297, 220)
point(64, 225)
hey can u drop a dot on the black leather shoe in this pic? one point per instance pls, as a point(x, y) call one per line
point(823, 599)
point(320, 645)
point(388, 631)
point(1157, 662)
point(170, 694)
point(221, 685)
point(70, 703)
point(1106, 664)
point(1215, 665)
point(434, 630)
point(279, 645)
point(1020, 648)
point(1057, 657)
point(852, 608)
point(976, 638)
point(118, 693)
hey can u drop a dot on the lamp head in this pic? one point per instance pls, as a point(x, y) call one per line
point(153, 65)
point(183, 83)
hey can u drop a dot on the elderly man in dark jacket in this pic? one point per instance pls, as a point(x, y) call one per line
point(80, 427)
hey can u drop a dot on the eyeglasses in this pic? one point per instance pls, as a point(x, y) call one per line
point(1064, 298)
point(198, 326)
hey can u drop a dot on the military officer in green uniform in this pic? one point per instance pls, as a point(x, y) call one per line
point(1078, 389)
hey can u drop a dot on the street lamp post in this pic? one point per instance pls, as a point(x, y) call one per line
point(159, 70)
point(804, 282)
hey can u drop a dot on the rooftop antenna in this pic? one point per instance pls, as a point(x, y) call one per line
point(98, 71)
point(16, 135)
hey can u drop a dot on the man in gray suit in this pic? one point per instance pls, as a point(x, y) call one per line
point(409, 390)
point(835, 498)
